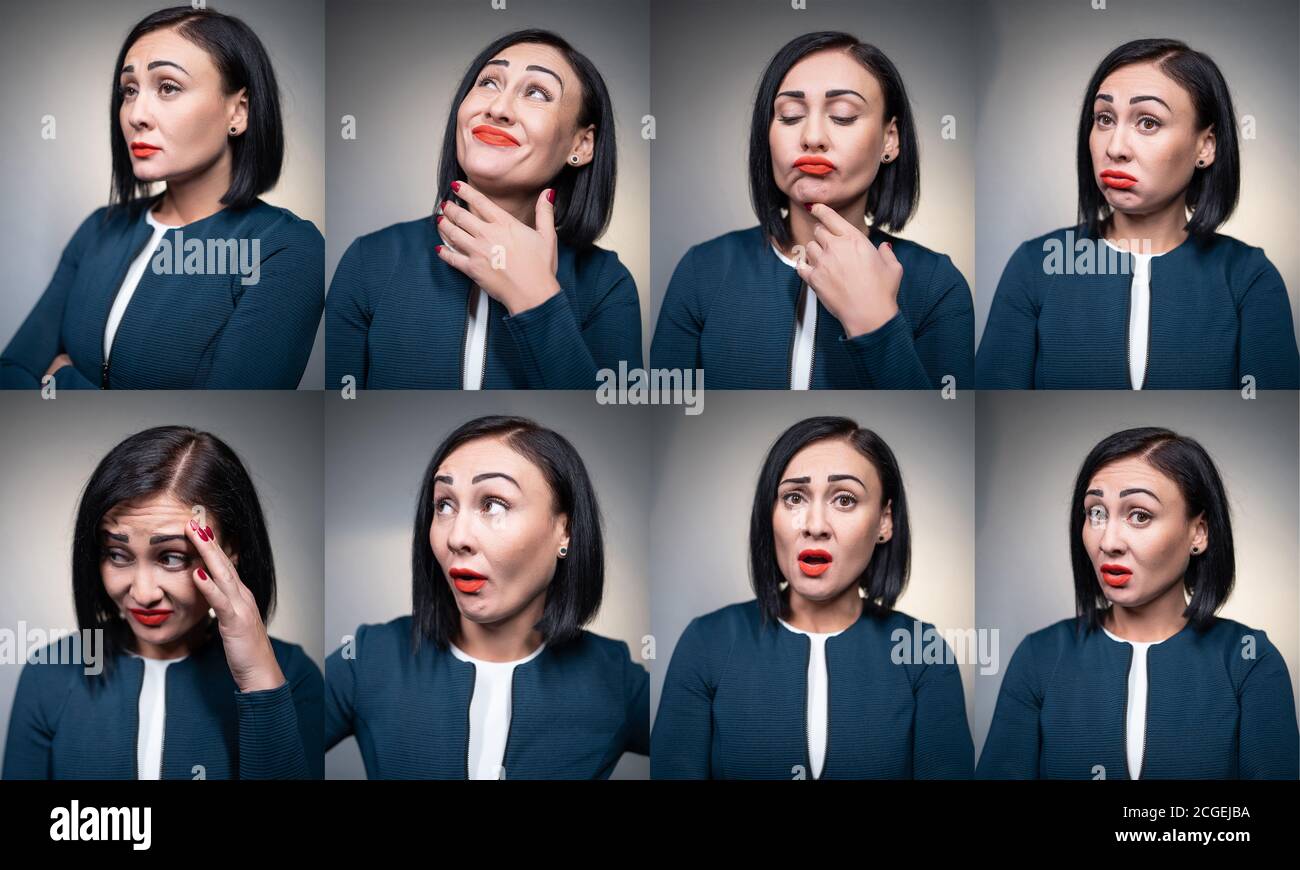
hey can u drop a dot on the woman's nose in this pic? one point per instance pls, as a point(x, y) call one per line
point(813, 135)
point(144, 590)
point(501, 108)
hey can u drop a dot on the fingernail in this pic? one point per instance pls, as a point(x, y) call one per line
point(439, 220)
point(455, 185)
point(194, 525)
point(437, 249)
point(202, 576)
point(202, 535)
point(550, 196)
point(442, 206)
point(807, 206)
point(208, 529)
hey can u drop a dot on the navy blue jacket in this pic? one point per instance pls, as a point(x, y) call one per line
point(1219, 312)
point(66, 725)
point(734, 704)
point(1212, 712)
point(396, 313)
point(180, 331)
point(575, 708)
point(730, 310)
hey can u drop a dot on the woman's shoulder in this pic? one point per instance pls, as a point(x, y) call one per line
point(276, 224)
point(607, 651)
point(403, 236)
point(915, 256)
point(747, 242)
point(293, 659)
point(721, 627)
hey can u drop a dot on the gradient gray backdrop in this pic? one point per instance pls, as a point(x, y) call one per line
point(394, 67)
point(377, 447)
point(1029, 447)
point(51, 448)
point(1035, 59)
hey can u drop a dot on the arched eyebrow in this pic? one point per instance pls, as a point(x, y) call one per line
point(830, 478)
point(156, 539)
point(830, 95)
point(1123, 493)
point(153, 64)
point(532, 66)
point(446, 478)
point(1109, 99)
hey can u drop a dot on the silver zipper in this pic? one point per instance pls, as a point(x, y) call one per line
point(464, 337)
point(1146, 667)
point(812, 362)
point(487, 330)
point(1127, 771)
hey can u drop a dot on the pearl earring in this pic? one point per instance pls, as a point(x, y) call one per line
point(783, 585)
point(564, 551)
point(862, 593)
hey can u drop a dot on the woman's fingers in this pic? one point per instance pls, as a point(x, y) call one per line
point(462, 218)
point(454, 235)
point(479, 204)
point(832, 220)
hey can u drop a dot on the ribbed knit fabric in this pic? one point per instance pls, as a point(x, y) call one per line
point(1212, 713)
point(575, 709)
point(395, 319)
point(181, 331)
point(730, 310)
point(734, 705)
point(65, 725)
point(1219, 312)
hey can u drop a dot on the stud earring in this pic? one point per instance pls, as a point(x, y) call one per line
point(882, 537)
point(783, 585)
point(862, 593)
point(564, 551)
point(233, 130)
point(887, 158)
point(1200, 163)
point(1196, 549)
point(573, 158)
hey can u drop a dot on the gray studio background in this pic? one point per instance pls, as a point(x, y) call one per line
point(708, 59)
point(51, 448)
point(1029, 447)
point(376, 449)
point(702, 492)
point(58, 60)
point(395, 66)
point(1035, 59)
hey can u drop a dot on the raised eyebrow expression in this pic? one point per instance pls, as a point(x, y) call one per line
point(153, 64)
point(446, 478)
point(830, 478)
point(1124, 493)
point(532, 66)
point(1107, 98)
point(155, 539)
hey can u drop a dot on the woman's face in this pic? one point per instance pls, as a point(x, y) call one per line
point(1145, 140)
point(495, 532)
point(829, 133)
point(517, 126)
point(828, 519)
point(1137, 533)
point(175, 115)
point(146, 565)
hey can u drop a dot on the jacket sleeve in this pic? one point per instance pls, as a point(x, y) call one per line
point(39, 340)
point(28, 747)
point(941, 741)
point(347, 321)
point(1266, 345)
point(561, 353)
point(1012, 746)
point(280, 729)
point(638, 707)
point(340, 693)
point(1009, 347)
point(896, 357)
point(268, 339)
point(676, 342)
point(1268, 741)
point(681, 743)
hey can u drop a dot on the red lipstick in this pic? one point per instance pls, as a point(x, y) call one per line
point(490, 135)
point(144, 149)
point(814, 165)
point(814, 563)
point(466, 580)
point(1116, 179)
point(150, 617)
point(1115, 575)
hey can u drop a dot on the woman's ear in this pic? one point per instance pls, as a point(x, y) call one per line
point(584, 145)
point(886, 523)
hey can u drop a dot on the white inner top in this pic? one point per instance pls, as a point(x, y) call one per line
point(153, 715)
point(489, 712)
point(818, 696)
point(133, 276)
point(1139, 315)
point(1135, 722)
point(475, 338)
point(805, 331)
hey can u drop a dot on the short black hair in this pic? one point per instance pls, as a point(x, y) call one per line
point(1212, 193)
point(1210, 574)
point(886, 574)
point(196, 468)
point(257, 155)
point(574, 594)
point(892, 197)
point(584, 195)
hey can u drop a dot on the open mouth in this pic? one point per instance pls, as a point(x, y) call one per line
point(814, 563)
point(490, 135)
point(1116, 575)
point(467, 581)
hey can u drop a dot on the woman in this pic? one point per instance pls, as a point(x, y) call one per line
point(1139, 295)
point(503, 287)
point(203, 286)
point(1146, 682)
point(492, 676)
point(169, 531)
point(804, 682)
point(812, 296)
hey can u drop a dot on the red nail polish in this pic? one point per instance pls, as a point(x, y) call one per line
point(807, 206)
point(202, 535)
point(455, 185)
point(202, 576)
point(194, 525)
point(437, 249)
point(439, 220)
point(550, 195)
point(442, 206)
point(208, 529)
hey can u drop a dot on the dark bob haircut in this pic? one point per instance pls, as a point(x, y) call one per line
point(1212, 193)
point(255, 156)
point(573, 596)
point(196, 468)
point(584, 195)
point(892, 197)
point(1209, 576)
point(886, 574)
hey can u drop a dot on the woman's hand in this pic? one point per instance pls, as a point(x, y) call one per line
point(513, 262)
point(59, 362)
point(855, 280)
point(248, 648)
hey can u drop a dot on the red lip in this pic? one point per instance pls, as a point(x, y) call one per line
point(814, 165)
point(466, 580)
point(493, 135)
point(1117, 179)
point(1115, 575)
point(814, 568)
point(144, 149)
point(150, 617)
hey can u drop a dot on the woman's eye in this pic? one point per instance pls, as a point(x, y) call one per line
point(180, 560)
point(117, 557)
point(546, 95)
point(127, 91)
point(493, 506)
point(791, 119)
point(1102, 119)
point(844, 121)
point(1097, 514)
point(442, 507)
point(169, 88)
point(1142, 516)
point(487, 80)
point(792, 498)
point(845, 500)
point(1152, 121)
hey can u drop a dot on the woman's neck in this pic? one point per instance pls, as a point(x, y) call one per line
point(1163, 228)
point(1157, 620)
point(504, 641)
point(191, 199)
point(823, 617)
